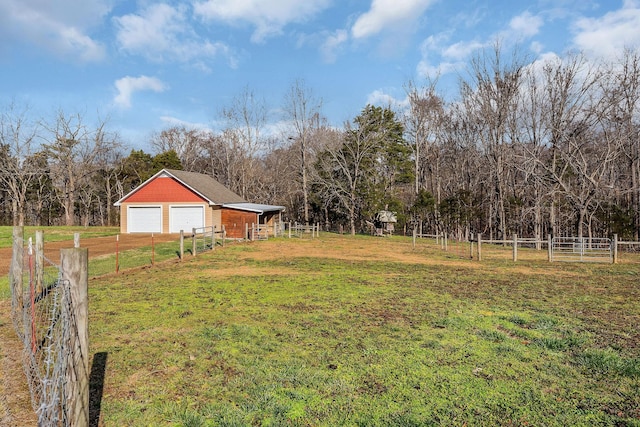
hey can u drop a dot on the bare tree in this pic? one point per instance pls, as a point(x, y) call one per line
point(491, 98)
point(185, 142)
point(17, 135)
point(303, 112)
point(570, 102)
point(532, 146)
point(623, 92)
point(423, 126)
point(246, 119)
point(73, 148)
point(424, 121)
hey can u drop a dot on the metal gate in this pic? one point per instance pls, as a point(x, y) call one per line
point(581, 249)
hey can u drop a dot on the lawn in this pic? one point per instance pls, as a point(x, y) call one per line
point(362, 331)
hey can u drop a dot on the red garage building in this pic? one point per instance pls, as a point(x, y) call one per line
point(174, 200)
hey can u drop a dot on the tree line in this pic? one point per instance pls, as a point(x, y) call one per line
point(534, 148)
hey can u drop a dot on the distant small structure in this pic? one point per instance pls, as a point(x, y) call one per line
point(383, 223)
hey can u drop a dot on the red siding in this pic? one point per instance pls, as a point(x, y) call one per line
point(164, 189)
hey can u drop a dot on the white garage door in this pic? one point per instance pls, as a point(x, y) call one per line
point(144, 219)
point(185, 218)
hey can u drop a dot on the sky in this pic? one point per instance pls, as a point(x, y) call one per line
point(146, 65)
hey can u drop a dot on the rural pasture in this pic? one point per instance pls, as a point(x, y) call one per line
point(361, 331)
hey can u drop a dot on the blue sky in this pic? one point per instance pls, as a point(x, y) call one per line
point(147, 65)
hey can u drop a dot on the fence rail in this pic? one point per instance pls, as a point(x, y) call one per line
point(303, 230)
point(581, 249)
point(573, 249)
point(203, 239)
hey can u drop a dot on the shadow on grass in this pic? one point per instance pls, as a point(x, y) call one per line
point(96, 387)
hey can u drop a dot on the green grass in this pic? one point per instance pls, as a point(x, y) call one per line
point(270, 334)
point(56, 234)
point(134, 258)
point(363, 331)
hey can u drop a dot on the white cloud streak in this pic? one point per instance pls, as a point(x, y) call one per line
point(607, 35)
point(388, 13)
point(126, 86)
point(268, 18)
point(452, 56)
point(526, 24)
point(332, 45)
point(60, 27)
point(162, 32)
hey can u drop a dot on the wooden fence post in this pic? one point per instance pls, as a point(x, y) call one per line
point(479, 247)
point(289, 229)
point(74, 265)
point(549, 248)
point(117, 253)
point(193, 242)
point(76, 240)
point(15, 271)
point(224, 235)
point(413, 238)
point(213, 237)
point(470, 249)
point(615, 249)
point(515, 247)
point(181, 245)
point(39, 260)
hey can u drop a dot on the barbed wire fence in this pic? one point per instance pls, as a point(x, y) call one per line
point(49, 314)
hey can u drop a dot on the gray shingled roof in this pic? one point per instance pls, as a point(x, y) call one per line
point(207, 186)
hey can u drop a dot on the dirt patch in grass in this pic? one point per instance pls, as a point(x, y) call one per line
point(387, 250)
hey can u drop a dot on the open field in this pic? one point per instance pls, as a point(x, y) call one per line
point(367, 331)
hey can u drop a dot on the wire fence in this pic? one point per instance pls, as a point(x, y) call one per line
point(206, 238)
point(301, 230)
point(45, 316)
point(571, 249)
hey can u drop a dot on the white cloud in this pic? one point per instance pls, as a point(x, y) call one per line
point(332, 44)
point(162, 33)
point(174, 121)
point(440, 56)
point(610, 33)
point(536, 47)
point(436, 46)
point(526, 24)
point(126, 86)
point(424, 69)
point(268, 17)
point(462, 50)
point(59, 27)
point(381, 98)
point(388, 13)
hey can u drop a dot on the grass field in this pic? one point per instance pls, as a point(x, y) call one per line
point(363, 331)
point(55, 234)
